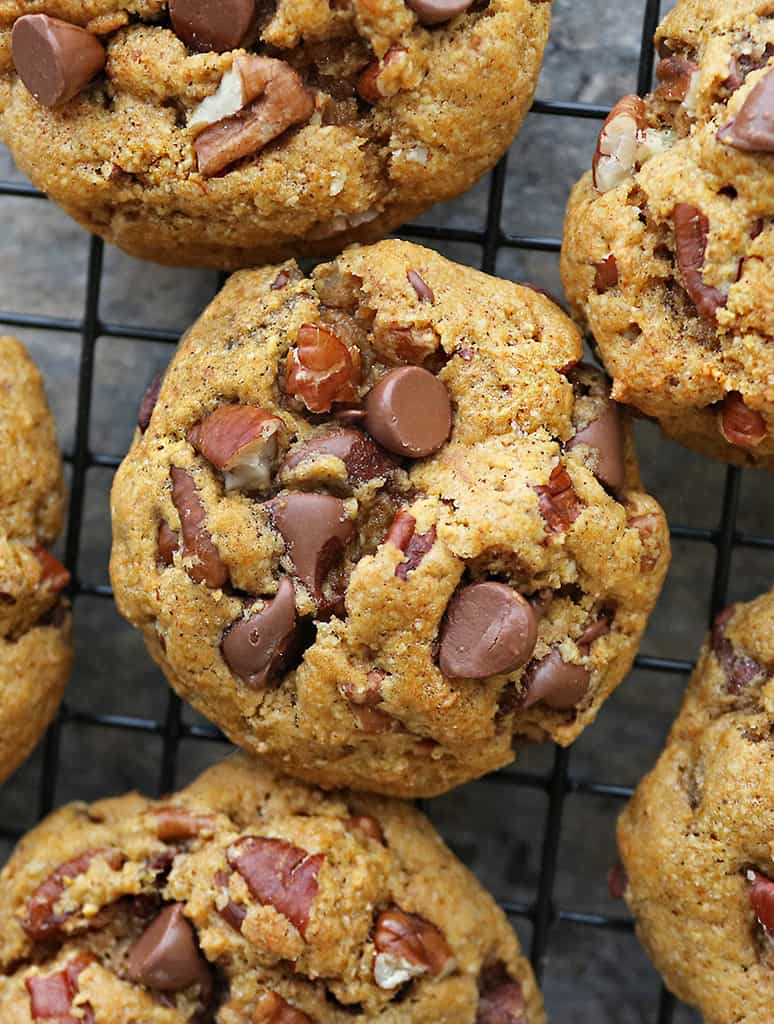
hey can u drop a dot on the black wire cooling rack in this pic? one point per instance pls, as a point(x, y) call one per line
point(543, 911)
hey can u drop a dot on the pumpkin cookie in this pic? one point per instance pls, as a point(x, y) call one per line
point(697, 840)
point(231, 134)
point(381, 520)
point(668, 253)
point(35, 652)
point(251, 899)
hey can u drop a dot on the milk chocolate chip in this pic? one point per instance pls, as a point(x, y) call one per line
point(363, 459)
point(166, 957)
point(315, 528)
point(257, 649)
point(433, 12)
point(605, 436)
point(409, 412)
point(556, 683)
point(753, 127)
point(55, 59)
point(204, 25)
point(489, 628)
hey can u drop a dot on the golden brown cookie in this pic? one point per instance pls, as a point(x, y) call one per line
point(668, 252)
point(251, 899)
point(231, 134)
point(35, 652)
point(381, 520)
point(697, 840)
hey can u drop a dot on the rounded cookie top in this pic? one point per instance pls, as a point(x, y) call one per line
point(697, 840)
point(232, 134)
point(382, 519)
point(251, 899)
point(669, 241)
point(35, 652)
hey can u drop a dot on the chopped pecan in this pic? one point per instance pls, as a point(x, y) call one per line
point(606, 273)
point(560, 506)
point(278, 874)
point(739, 424)
point(675, 76)
point(243, 442)
point(413, 545)
point(617, 881)
point(368, 826)
point(148, 403)
point(740, 670)
point(322, 369)
point(762, 900)
point(691, 232)
point(52, 995)
point(168, 543)
point(616, 153)
point(423, 290)
point(208, 567)
point(367, 84)
point(53, 575)
point(364, 704)
point(42, 921)
point(407, 946)
point(272, 1009)
point(232, 913)
point(179, 823)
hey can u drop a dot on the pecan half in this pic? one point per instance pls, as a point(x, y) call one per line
point(616, 153)
point(739, 424)
point(271, 98)
point(691, 233)
point(322, 369)
point(52, 995)
point(243, 442)
point(408, 946)
point(208, 567)
point(278, 874)
point(560, 506)
point(42, 921)
point(413, 545)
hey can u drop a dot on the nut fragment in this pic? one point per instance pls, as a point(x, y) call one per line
point(740, 670)
point(204, 26)
point(232, 913)
point(364, 703)
point(243, 442)
point(278, 874)
point(148, 403)
point(424, 291)
point(560, 506)
point(207, 565)
point(322, 369)
point(272, 1009)
point(675, 75)
point(408, 946)
point(691, 232)
point(752, 129)
point(316, 529)
point(739, 424)
point(168, 543)
point(52, 995)
point(502, 1005)
point(166, 957)
point(54, 59)
point(257, 649)
point(433, 12)
point(368, 826)
point(367, 84)
point(53, 575)
point(616, 152)
point(42, 922)
point(274, 99)
point(606, 273)
point(762, 900)
point(414, 545)
point(179, 823)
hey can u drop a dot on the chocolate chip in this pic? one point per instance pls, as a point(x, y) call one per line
point(556, 683)
point(257, 649)
point(204, 25)
point(606, 273)
point(315, 528)
point(168, 543)
point(740, 669)
point(55, 59)
point(424, 291)
point(148, 403)
point(409, 412)
point(207, 566)
point(594, 630)
point(502, 1005)
point(364, 460)
point(489, 628)
point(433, 12)
point(605, 435)
point(617, 881)
point(752, 129)
point(166, 957)
point(762, 901)
point(691, 232)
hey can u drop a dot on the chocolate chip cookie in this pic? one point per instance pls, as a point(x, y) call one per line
point(35, 652)
point(382, 519)
point(231, 134)
point(669, 241)
point(697, 840)
point(250, 899)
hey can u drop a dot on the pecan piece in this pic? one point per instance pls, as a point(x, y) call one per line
point(560, 506)
point(278, 874)
point(232, 913)
point(168, 543)
point(675, 75)
point(52, 995)
point(502, 1004)
point(174, 824)
point(368, 826)
point(423, 290)
point(367, 84)
point(617, 880)
point(618, 142)
point(42, 922)
point(762, 900)
point(273, 1009)
point(148, 403)
point(739, 424)
point(364, 704)
point(413, 545)
point(691, 232)
point(53, 575)
point(243, 442)
point(408, 946)
point(208, 567)
point(606, 273)
point(322, 369)
point(740, 670)
point(363, 459)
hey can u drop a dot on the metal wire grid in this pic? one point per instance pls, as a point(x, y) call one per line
point(543, 912)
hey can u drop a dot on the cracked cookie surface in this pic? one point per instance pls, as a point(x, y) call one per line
point(266, 130)
point(697, 840)
point(35, 652)
point(668, 253)
point(386, 615)
point(251, 899)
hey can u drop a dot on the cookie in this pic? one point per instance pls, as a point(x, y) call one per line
point(233, 134)
point(251, 899)
point(380, 520)
point(35, 651)
point(697, 840)
point(668, 252)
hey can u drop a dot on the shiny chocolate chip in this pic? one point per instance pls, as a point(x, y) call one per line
point(556, 683)
point(257, 649)
point(166, 957)
point(55, 59)
point(409, 412)
point(433, 12)
point(316, 529)
point(605, 435)
point(752, 129)
point(364, 460)
point(205, 26)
